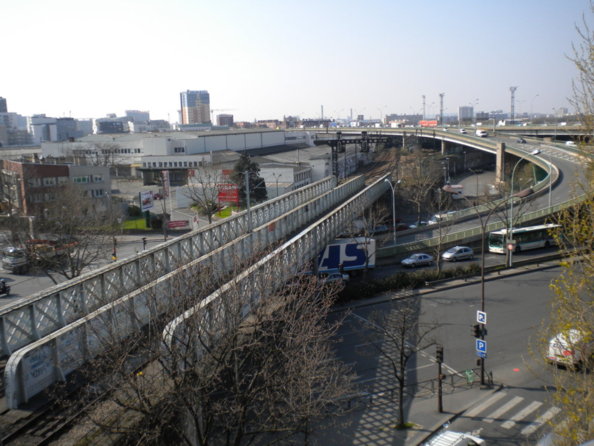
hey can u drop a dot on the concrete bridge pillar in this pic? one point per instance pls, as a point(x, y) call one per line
point(443, 147)
point(500, 163)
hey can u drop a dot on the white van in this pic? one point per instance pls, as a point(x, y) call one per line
point(569, 348)
point(449, 438)
point(481, 133)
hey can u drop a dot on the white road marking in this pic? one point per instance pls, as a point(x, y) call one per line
point(521, 414)
point(532, 427)
point(477, 409)
point(507, 406)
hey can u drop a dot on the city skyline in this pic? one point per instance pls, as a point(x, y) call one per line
point(265, 60)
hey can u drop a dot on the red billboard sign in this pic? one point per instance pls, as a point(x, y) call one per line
point(428, 123)
point(178, 224)
point(228, 193)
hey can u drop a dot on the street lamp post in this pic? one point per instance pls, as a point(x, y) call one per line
point(532, 104)
point(511, 205)
point(550, 179)
point(276, 177)
point(393, 207)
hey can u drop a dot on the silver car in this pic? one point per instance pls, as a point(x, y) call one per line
point(458, 253)
point(419, 259)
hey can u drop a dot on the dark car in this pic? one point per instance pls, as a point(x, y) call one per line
point(419, 259)
point(521, 140)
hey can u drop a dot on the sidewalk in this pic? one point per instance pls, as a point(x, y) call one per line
point(373, 425)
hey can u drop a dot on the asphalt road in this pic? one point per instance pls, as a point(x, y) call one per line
point(516, 308)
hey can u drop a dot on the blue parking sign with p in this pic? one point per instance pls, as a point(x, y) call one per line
point(481, 346)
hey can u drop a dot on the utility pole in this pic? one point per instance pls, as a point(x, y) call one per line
point(512, 90)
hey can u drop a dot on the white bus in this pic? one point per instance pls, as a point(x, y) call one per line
point(530, 237)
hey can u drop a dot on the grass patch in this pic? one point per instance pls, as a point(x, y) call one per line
point(135, 223)
point(225, 212)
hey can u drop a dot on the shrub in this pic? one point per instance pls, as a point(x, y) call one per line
point(403, 281)
point(134, 211)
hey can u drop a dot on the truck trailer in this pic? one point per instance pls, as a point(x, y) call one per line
point(346, 255)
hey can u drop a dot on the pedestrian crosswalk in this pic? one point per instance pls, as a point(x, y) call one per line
point(510, 412)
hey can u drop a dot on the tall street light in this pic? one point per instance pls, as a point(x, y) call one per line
point(511, 204)
point(393, 207)
point(550, 179)
point(276, 177)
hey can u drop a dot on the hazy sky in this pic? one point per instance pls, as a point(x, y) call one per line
point(262, 59)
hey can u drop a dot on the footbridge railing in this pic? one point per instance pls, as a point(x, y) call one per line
point(265, 277)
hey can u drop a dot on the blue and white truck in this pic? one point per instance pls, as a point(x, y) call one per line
point(345, 255)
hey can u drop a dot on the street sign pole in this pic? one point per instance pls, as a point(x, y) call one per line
point(481, 318)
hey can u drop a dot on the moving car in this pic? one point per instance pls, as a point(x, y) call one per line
point(463, 131)
point(419, 259)
point(481, 133)
point(458, 253)
point(521, 140)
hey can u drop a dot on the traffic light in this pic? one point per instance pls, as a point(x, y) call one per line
point(476, 330)
point(439, 353)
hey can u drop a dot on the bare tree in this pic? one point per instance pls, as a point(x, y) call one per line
point(18, 225)
point(397, 336)
point(420, 175)
point(79, 230)
point(226, 379)
point(443, 226)
point(203, 190)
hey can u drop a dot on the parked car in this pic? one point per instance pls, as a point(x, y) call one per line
point(570, 348)
point(401, 227)
point(458, 253)
point(419, 259)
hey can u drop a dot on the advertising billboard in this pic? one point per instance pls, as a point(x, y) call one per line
point(146, 200)
point(428, 123)
point(228, 193)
